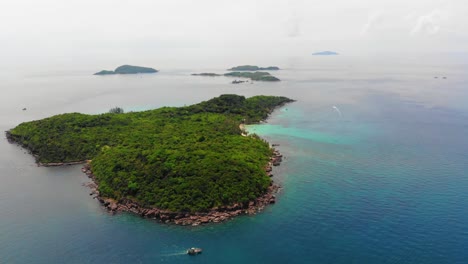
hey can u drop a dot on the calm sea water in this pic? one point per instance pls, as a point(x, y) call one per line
point(380, 178)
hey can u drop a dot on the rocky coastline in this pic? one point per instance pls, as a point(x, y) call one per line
point(12, 140)
point(215, 215)
point(56, 164)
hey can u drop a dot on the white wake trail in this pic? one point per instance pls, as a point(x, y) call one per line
point(174, 254)
point(338, 110)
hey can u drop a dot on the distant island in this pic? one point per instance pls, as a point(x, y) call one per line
point(253, 68)
point(186, 165)
point(326, 53)
point(206, 74)
point(127, 69)
point(254, 76)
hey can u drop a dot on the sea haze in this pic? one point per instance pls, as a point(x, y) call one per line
point(375, 169)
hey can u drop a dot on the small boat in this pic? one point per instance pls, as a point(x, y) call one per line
point(194, 251)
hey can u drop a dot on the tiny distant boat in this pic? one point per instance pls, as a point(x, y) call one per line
point(194, 251)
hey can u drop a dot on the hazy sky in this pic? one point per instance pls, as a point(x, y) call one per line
point(66, 31)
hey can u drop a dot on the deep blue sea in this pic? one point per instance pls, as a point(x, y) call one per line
point(375, 169)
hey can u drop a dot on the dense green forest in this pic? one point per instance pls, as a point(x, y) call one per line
point(184, 159)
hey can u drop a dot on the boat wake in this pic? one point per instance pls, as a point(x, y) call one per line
point(174, 254)
point(338, 111)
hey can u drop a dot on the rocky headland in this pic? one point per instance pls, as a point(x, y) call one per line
point(215, 215)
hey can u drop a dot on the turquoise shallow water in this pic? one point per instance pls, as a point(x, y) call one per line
point(384, 182)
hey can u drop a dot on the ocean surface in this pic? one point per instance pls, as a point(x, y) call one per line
point(375, 169)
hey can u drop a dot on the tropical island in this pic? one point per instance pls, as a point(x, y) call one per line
point(325, 53)
point(253, 68)
point(127, 69)
point(186, 165)
point(211, 74)
point(254, 76)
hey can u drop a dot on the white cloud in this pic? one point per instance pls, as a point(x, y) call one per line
point(293, 28)
point(429, 24)
point(373, 21)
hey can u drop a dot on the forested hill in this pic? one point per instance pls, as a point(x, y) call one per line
point(182, 159)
